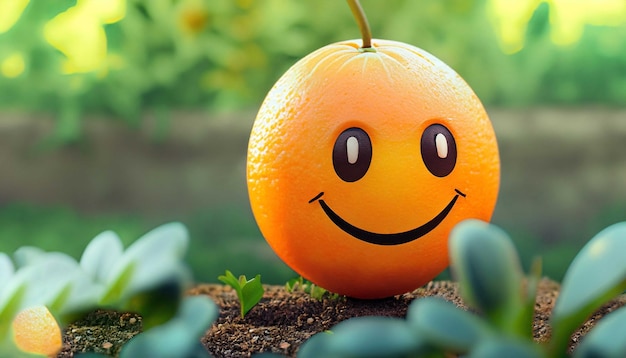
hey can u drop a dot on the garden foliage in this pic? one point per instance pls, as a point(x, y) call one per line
point(123, 57)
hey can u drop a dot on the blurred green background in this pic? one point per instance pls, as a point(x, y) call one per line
point(125, 114)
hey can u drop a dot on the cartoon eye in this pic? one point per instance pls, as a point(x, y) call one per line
point(438, 150)
point(352, 154)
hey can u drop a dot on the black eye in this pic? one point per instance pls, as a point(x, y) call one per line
point(438, 150)
point(352, 154)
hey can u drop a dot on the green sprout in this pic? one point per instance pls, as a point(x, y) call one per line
point(315, 291)
point(491, 281)
point(249, 292)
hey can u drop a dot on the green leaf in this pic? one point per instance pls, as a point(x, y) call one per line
point(446, 326)
point(8, 348)
point(157, 256)
point(486, 265)
point(180, 337)
point(27, 255)
point(365, 337)
point(102, 254)
point(252, 292)
point(157, 305)
point(499, 347)
point(527, 313)
point(607, 339)
point(6, 269)
point(57, 281)
point(10, 305)
point(315, 291)
point(597, 274)
point(115, 289)
point(153, 259)
point(294, 283)
point(229, 279)
point(249, 292)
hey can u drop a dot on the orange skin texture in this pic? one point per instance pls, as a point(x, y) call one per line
point(393, 94)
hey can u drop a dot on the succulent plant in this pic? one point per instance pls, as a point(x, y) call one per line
point(491, 281)
point(148, 278)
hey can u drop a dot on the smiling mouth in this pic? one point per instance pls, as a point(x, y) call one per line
point(386, 239)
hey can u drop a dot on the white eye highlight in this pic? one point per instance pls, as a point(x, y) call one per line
point(442, 146)
point(352, 148)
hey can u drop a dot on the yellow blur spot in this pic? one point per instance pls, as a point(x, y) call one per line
point(10, 12)
point(36, 331)
point(510, 19)
point(568, 19)
point(193, 17)
point(107, 11)
point(79, 34)
point(13, 65)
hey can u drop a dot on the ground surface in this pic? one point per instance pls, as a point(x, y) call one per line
point(282, 321)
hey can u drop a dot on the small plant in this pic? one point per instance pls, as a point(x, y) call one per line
point(249, 292)
point(148, 278)
point(486, 265)
point(315, 291)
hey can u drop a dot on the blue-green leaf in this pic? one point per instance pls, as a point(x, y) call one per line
point(597, 274)
point(6, 269)
point(102, 254)
point(27, 255)
point(116, 286)
point(50, 281)
point(446, 326)
point(485, 263)
point(180, 337)
point(10, 304)
point(607, 339)
point(157, 305)
point(499, 347)
point(317, 346)
point(154, 258)
point(366, 337)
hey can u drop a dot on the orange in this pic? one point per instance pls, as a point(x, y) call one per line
point(361, 162)
point(36, 331)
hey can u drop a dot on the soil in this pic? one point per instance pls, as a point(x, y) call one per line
point(283, 320)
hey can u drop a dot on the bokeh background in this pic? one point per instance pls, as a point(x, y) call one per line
point(126, 114)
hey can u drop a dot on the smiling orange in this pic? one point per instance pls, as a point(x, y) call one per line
point(361, 162)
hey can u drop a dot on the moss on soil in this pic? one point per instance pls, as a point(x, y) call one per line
point(282, 321)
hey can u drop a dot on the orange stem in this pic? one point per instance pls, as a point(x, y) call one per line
point(361, 20)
